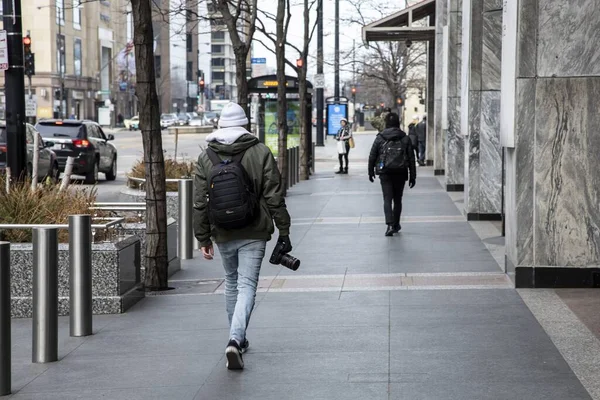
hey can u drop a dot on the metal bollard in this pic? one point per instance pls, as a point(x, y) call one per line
point(292, 163)
point(186, 231)
point(313, 156)
point(80, 275)
point(297, 165)
point(45, 295)
point(196, 244)
point(5, 339)
point(289, 169)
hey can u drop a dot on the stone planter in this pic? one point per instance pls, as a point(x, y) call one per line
point(139, 230)
point(115, 277)
point(139, 196)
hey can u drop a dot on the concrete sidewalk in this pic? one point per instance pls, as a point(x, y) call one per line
point(427, 314)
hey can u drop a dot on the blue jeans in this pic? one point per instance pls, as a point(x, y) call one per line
point(242, 260)
point(421, 151)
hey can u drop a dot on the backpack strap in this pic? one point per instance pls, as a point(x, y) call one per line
point(212, 155)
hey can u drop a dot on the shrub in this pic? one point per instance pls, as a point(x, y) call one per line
point(44, 206)
point(173, 170)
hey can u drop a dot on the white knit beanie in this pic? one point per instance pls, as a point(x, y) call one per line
point(232, 115)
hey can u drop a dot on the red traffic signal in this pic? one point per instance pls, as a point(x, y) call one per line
point(353, 90)
point(201, 84)
point(26, 41)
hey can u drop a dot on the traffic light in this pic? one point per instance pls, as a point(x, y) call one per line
point(28, 56)
point(353, 90)
point(400, 100)
point(201, 85)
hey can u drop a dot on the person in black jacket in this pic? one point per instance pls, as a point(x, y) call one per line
point(421, 130)
point(392, 182)
point(412, 134)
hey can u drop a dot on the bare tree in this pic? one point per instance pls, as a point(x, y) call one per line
point(282, 21)
point(301, 71)
point(156, 205)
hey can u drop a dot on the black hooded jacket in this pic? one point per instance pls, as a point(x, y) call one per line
point(393, 134)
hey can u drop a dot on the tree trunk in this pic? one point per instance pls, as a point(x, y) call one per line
point(156, 205)
point(305, 145)
point(281, 92)
point(242, 79)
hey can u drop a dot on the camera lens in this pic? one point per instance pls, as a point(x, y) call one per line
point(290, 262)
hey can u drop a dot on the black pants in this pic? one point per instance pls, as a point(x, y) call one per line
point(393, 189)
point(341, 157)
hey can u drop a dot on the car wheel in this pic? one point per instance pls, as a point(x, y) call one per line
point(92, 177)
point(112, 174)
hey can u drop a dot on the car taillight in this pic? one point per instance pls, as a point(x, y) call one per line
point(2, 149)
point(81, 143)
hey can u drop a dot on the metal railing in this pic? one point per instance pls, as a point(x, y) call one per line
point(113, 221)
point(293, 166)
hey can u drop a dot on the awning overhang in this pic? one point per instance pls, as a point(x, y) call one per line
point(399, 26)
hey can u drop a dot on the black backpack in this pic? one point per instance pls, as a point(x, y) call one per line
point(232, 201)
point(393, 156)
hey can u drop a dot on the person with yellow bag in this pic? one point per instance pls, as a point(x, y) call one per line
point(345, 142)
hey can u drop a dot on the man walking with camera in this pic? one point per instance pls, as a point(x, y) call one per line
point(392, 157)
point(237, 196)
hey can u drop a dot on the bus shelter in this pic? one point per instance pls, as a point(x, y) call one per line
point(262, 91)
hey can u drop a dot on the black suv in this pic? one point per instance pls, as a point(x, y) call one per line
point(86, 143)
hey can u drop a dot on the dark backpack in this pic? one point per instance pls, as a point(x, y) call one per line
point(393, 156)
point(232, 201)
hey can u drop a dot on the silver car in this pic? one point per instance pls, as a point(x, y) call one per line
point(167, 120)
point(47, 161)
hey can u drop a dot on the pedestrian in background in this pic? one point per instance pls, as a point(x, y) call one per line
point(412, 134)
point(421, 129)
point(344, 137)
point(237, 196)
point(393, 159)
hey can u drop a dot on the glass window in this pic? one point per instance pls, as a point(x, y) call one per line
point(218, 76)
point(188, 42)
point(29, 135)
point(60, 12)
point(77, 56)
point(60, 51)
point(92, 131)
point(157, 69)
point(189, 73)
point(50, 129)
point(216, 49)
point(218, 62)
point(218, 35)
point(76, 14)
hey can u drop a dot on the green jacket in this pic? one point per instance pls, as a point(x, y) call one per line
point(379, 122)
point(261, 167)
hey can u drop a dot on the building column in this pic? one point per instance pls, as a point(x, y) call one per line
point(430, 143)
point(438, 136)
point(549, 122)
point(455, 153)
point(480, 108)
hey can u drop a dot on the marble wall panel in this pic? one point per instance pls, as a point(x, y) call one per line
point(490, 154)
point(491, 51)
point(472, 156)
point(567, 183)
point(492, 5)
point(476, 45)
point(454, 54)
point(441, 15)
point(568, 37)
point(523, 209)
point(455, 150)
point(439, 155)
point(527, 38)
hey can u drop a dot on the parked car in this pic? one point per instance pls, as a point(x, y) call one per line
point(47, 161)
point(167, 120)
point(86, 142)
point(211, 118)
point(133, 124)
point(183, 119)
point(196, 121)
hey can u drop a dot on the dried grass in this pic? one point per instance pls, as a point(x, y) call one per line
point(44, 206)
point(173, 170)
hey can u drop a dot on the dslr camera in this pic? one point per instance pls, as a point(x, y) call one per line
point(280, 255)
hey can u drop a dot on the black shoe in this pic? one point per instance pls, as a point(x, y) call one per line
point(341, 171)
point(345, 170)
point(245, 346)
point(233, 352)
point(390, 231)
point(397, 228)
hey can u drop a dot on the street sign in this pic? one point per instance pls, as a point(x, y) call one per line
point(319, 81)
point(30, 107)
point(3, 51)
